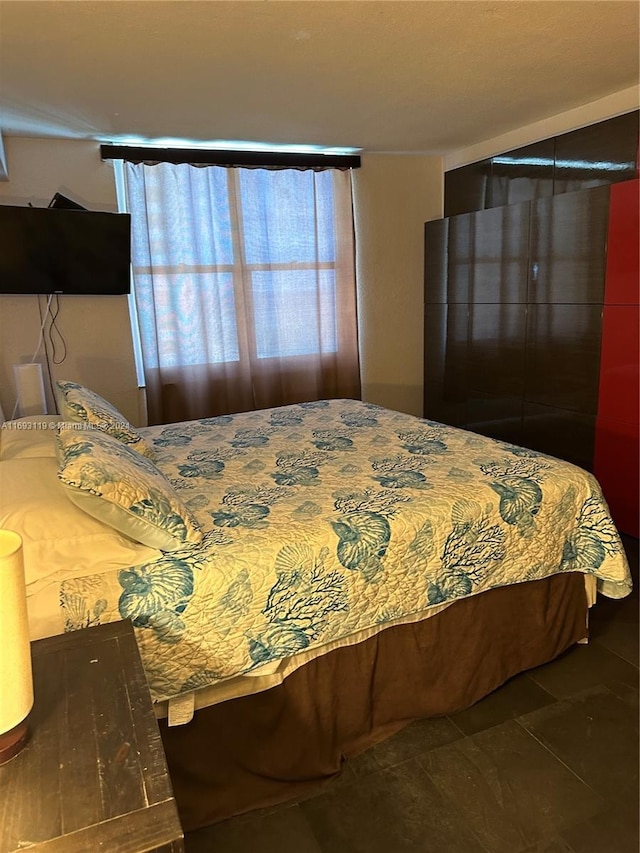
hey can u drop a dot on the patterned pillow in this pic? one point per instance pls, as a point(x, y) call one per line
point(77, 403)
point(123, 489)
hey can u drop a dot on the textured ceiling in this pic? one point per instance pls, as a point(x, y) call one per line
point(424, 76)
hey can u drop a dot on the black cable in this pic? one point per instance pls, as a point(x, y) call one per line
point(53, 326)
point(46, 351)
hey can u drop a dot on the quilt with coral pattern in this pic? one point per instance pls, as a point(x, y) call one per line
point(324, 519)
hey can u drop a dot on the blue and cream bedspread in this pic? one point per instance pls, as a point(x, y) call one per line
point(325, 519)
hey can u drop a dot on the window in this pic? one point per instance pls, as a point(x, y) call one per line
point(242, 273)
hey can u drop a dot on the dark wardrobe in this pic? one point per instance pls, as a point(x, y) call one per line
point(516, 280)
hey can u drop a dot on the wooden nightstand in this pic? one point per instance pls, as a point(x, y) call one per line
point(93, 775)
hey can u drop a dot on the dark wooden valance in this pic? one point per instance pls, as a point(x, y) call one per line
point(213, 157)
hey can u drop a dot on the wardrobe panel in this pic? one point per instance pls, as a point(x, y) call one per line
point(558, 432)
point(602, 153)
point(467, 188)
point(619, 371)
point(617, 427)
point(497, 349)
point(495, 416)
point(435, 339)
point(438, 406)
point(623, 283)
point(461, 257)
point(616, 465)
point(436, 240)
point(500, 252)
point(522, 174)
point(456, 353)
point(567, 247)
point(445, 363)
point(562, 360)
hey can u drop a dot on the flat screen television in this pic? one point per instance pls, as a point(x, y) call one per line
point(51, 250)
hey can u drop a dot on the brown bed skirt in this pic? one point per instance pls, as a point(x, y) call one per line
point(277, 745)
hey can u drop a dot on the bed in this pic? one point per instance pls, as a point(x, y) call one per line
point(304, 580)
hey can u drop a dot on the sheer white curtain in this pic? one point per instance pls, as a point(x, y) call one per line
point(244, 284)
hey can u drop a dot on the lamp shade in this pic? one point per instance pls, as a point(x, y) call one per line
point(30, 388)
point(16, 682)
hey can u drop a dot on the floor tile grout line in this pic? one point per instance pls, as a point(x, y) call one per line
point(560, 760)
point(416, 759)
point(557, 830)
point(311, 828)
point(619, 656)
point(590, 644)
point(449, 800)
point(451, 720)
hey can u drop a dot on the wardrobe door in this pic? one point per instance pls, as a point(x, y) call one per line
point(445, 333)
point(568, 242)
point(617, 432)
point(564, 323)
point(497, 321)
point(499, 252)
point(436, 249)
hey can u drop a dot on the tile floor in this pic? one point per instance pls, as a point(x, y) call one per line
point(546, 764)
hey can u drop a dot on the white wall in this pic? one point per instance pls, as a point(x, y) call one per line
point(95, 328)
point(394, 195)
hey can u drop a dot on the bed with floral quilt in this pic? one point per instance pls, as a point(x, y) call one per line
point(273, 538)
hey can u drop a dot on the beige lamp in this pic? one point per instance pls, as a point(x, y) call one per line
point(16, 682)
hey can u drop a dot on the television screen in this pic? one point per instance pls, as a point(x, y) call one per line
point(51, 250)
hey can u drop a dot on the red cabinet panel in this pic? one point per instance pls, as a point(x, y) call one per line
point(617, 462)
point(619, 370)
point(623, 273)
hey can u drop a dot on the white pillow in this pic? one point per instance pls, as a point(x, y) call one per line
point(59, 540)
point(34, 435)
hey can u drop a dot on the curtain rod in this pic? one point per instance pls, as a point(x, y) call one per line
point(213, 157)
